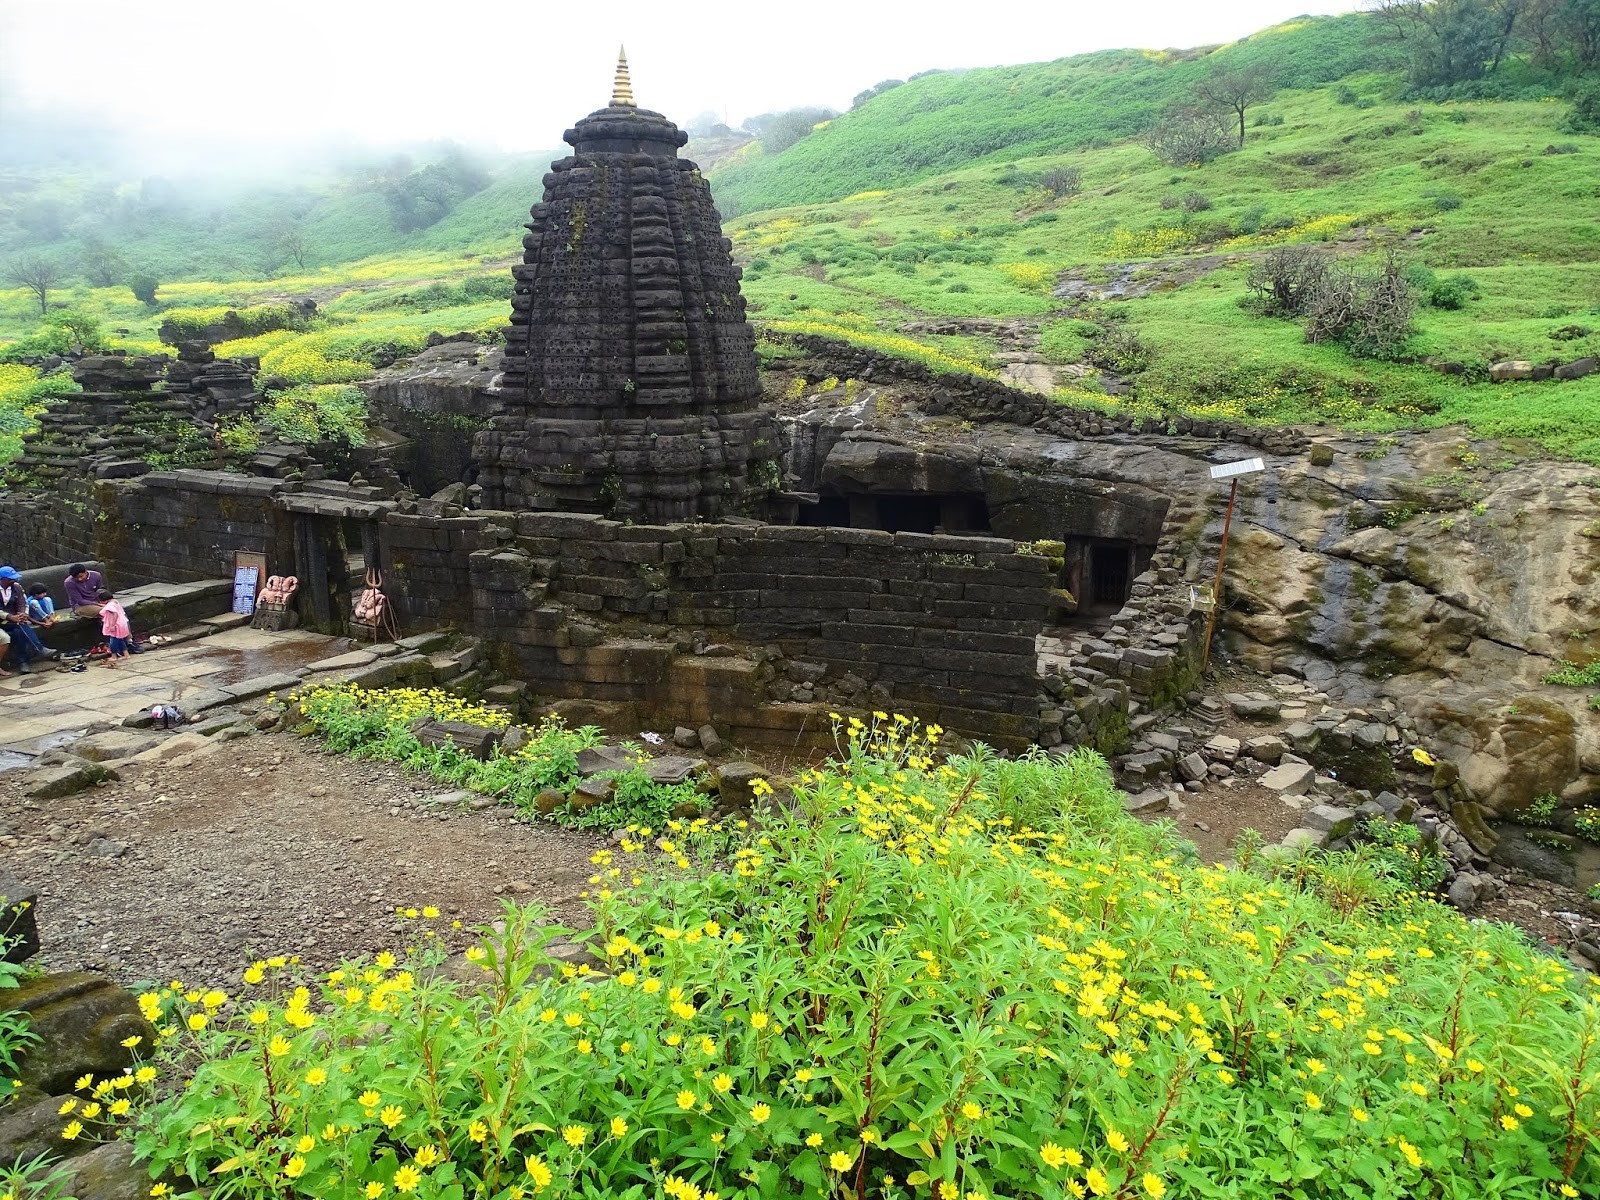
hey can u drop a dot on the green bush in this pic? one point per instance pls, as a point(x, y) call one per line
point(253, 320)
point(897, 988)
point(23, 393)
point(1571, 674)
point(15, 1036)
point(315, 412)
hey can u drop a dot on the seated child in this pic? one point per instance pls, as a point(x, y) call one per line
point(114, 626)
point(41, 609)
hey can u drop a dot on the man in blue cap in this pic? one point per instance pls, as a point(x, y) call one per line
point(25, 643)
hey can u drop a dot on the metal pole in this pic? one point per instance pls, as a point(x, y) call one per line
point(1216, 588)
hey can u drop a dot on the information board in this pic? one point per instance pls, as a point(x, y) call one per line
point(249, 569)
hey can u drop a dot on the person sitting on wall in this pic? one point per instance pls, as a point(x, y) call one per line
point(82, 584)
point(41, 608)
point(25, 643)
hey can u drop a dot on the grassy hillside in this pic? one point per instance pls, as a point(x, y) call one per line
point(945, 120)
point(918, 223)
point(1490, 194)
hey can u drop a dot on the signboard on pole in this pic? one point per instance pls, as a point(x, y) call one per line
point(1245, 466)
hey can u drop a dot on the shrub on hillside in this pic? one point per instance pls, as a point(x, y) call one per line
point(1062, 181)
point(1584, 115)
point(967, 977)
point(1442, 291)
point(1286, 278)
point(1191, 138)
point(143, 287)
point(1370, 313)
point(1120, 349)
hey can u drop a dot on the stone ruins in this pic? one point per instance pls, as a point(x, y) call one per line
point(608, 504)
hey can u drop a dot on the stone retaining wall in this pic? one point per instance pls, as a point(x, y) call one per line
point(945, 624)
point(166, 526)
point(977, 399)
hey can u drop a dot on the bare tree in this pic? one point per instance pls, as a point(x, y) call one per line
point(293, 242)
point(1400, 19)
point(38, 273)
point(1237, 88)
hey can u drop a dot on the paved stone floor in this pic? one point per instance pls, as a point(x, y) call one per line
point(47, 707)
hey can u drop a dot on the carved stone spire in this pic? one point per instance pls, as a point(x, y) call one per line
point(622, 87)
point(629, 377)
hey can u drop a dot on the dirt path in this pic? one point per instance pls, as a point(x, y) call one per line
point(270, 846)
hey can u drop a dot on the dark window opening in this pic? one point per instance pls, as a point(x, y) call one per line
point(1109, 580)
point(828, 510)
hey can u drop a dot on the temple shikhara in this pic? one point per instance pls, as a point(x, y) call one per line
point(630, 383)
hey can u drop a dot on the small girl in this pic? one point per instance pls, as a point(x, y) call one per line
point(114, 626)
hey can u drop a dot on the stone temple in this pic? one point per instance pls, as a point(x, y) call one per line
point(630, 382)
point(633, 537)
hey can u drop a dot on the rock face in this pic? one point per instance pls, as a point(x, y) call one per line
point(81, 1021)
point(629, 378)
point(1449, 577)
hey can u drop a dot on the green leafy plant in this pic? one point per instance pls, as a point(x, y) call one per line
point(379, 724)
point(1400, 852)
point(1586, 822)
point(14, 1032)
point(1571, 674)
point(35, 1179)
point(314, 412)
point(1537, 812)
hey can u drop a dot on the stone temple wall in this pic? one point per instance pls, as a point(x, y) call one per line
point(944, 626)
point(166, 526)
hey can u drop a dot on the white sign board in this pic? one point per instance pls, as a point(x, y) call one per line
point(1244, 466)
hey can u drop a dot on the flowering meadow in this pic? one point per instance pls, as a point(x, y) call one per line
point(957, 978)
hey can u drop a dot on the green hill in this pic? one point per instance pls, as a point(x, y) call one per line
point(945, 120)
point(1140, 278)
point(973, 219)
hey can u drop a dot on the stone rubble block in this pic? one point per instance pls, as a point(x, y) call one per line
point(1148, 802)
point(1332, 819)
point(51, 783)
point(1304, 737)
point(1303, 838)
point(1289, 779)
point(1192, 767)
point(1254, 707)
point(1268, 749)
point(1222, 748)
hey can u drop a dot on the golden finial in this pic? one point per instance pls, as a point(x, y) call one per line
point(622, 89)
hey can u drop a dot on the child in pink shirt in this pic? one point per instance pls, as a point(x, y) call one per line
point(114, 626)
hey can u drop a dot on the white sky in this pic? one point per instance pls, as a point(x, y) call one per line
point(209, 79)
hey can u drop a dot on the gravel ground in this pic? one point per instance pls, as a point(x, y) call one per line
point(269, 846)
